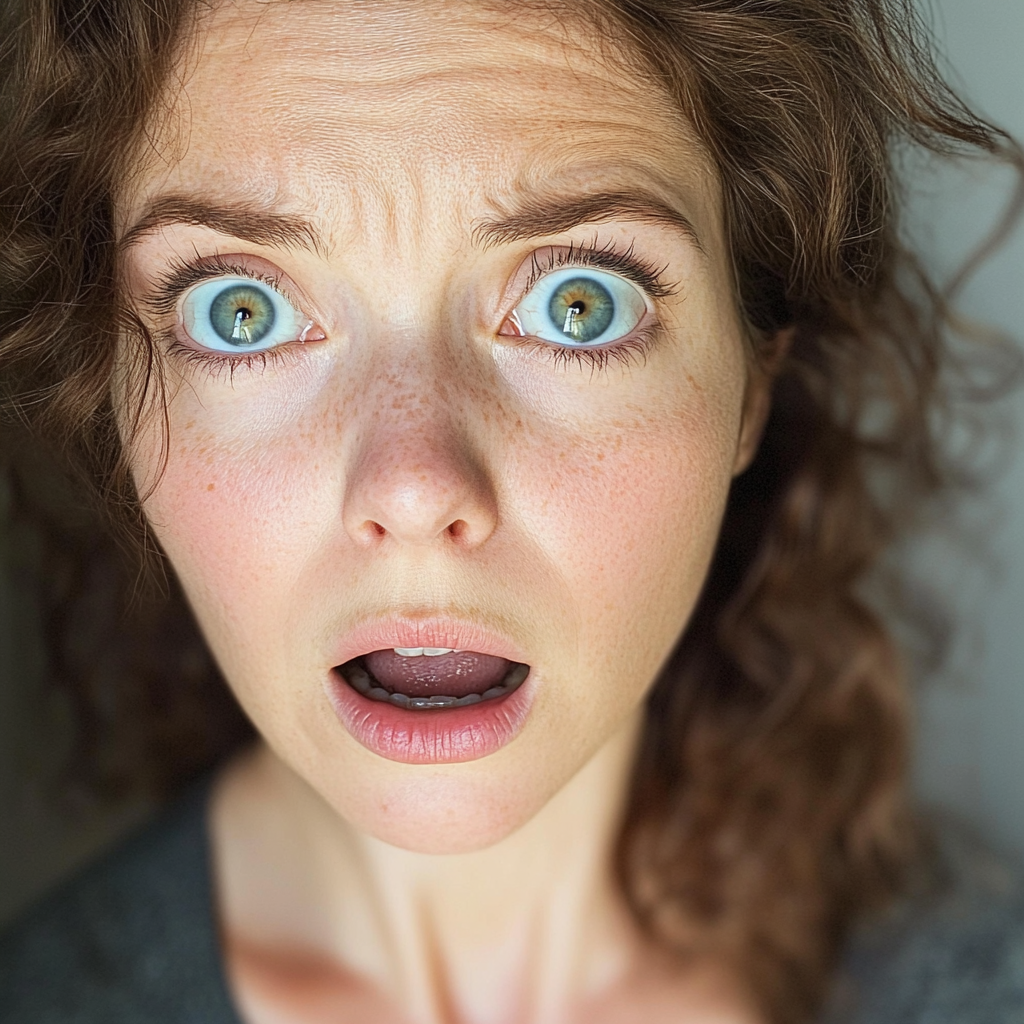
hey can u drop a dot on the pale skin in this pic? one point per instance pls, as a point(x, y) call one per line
point(410, 454)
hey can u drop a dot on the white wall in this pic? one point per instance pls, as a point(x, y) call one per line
point(971, 744)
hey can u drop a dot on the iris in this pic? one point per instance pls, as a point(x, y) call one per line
point(242, 315)
point(579, 307)
point(582, 308)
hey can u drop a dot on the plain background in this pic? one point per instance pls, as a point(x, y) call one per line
point(971, 740)
point(970, 755)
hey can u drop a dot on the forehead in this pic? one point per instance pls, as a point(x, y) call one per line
point(357, 108)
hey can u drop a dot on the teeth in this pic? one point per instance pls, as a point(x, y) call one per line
point(430, 652)
point(358, 678)
point(361, 681)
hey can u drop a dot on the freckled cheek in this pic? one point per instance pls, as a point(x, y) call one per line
point(630, 519)
point(238, 522)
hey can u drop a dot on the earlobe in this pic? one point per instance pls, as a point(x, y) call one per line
point(757, 400)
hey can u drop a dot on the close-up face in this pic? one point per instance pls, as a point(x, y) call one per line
point(442, 302)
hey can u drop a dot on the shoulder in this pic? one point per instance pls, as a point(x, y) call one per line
point(131, 939)
point(955, 956)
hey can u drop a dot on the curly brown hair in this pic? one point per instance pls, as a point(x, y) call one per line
point(768, 805)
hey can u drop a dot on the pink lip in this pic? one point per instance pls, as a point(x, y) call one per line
point(445, 736)
point(381, 634)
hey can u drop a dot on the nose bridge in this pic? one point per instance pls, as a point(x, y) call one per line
point(417, 476)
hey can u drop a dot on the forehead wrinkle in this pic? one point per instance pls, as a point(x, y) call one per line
point(391, 45)
point(409, 110)
point(411, 71)
point(454, 123)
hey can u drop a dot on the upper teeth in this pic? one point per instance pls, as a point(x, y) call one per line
point(430, 652)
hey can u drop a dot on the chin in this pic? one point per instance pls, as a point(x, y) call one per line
point(440, 810)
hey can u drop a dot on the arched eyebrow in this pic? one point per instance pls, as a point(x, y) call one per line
point(531, 217)
point(242, 220)
point(551, 214)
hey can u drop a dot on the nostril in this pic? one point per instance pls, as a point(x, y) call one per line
point(418, 503)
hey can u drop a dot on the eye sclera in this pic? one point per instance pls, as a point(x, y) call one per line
point(172, 294)
point(218, 289)
point(561, 306)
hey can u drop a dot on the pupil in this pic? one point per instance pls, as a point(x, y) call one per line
point(578, 306)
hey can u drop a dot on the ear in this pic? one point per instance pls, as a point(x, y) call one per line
point(757, 400)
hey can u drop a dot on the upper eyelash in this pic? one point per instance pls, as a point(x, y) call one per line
point(624, 262)
point(182, 275)
point(647, 275)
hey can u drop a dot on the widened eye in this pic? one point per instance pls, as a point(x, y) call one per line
point(238, 314)
point(580, 307)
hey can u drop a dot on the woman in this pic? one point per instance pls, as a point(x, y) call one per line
point(521, 395)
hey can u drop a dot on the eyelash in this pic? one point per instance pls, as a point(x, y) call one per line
point(183, 275)
point(627, 264)
point(605, 257)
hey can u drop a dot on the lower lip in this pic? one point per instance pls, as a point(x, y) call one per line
point(445, 736)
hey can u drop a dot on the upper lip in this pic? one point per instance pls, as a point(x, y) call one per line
point(427, 631)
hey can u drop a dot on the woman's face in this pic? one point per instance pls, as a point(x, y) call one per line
point(452, 361)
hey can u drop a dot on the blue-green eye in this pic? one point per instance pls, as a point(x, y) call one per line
point(238, 314)
point(580, 307)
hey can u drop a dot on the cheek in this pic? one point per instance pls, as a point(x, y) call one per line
point(629, 512)
point(245, 494)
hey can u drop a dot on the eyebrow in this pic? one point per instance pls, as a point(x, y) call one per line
point(552, 214)
point(534, 216)
point(243, 220)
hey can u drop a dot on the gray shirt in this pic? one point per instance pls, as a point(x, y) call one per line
point(133, 941)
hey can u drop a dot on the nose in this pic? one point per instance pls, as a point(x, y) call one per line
point(415, 479)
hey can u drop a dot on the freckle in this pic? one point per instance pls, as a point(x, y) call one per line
point(600, 456)
point(209, 487)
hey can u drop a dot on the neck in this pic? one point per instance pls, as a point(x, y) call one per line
point(519, 931)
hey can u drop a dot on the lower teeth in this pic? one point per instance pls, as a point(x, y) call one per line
point(360, 680)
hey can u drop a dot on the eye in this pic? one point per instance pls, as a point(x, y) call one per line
point(237, 314)
point(579, 306)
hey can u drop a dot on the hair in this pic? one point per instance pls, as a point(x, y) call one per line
point(768, 807)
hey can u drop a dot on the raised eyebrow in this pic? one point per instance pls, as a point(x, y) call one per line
point(242, 220)
point(535, 216)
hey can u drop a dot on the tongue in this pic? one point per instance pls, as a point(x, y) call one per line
point(448, 675)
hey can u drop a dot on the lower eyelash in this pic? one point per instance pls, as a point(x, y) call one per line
point(630, 352)
point(216, 366)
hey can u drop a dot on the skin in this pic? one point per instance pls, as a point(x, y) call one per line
point(412, 457)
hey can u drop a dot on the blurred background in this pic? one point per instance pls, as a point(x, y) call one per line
point(970, 756)
point(970, 751)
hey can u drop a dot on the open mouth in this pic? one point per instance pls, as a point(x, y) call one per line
point(432, 678)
